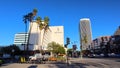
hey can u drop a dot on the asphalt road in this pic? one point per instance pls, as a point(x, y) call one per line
point(73, 63)
point(96, 62)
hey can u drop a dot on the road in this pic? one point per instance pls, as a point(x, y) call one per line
point(96, 62)
point(73, 63)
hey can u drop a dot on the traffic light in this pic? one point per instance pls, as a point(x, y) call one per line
point(66, 45)
point(68, 40)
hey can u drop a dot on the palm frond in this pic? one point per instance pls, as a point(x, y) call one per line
point(34, 12)
point(38, 20)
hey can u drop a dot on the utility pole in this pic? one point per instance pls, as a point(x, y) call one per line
point(67, 43)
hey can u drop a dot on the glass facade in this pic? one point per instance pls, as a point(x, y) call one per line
point(20, 38)
point(85, 33)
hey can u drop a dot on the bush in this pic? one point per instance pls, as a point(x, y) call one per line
point(1, 62)
point(61, 58)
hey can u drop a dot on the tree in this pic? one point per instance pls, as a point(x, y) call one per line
point(39, 22)
point(28, 18)
point(43, 26)
point(83, 40)
point(61, 50)
point(46, 27)
point(8, 49)
point(69, 51)
point(56, 48)
point(34, 12)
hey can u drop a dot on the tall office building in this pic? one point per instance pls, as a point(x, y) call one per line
point(85, 33)
point(39, 39)
point(20, 40)
point(57, 34)
point(117, 32)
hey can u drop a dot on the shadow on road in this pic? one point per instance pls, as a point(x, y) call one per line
point(33, 66)
point(5, 64)
point(65, 65)
point(117, 60)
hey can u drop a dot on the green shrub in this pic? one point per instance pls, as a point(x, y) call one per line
point(61, 58)
point(0, 62)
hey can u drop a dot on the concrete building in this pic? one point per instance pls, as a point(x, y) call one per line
point(39, 39)
point(57, 34)
point(85, 33)
point(19, 40)
point(97, 42)
point(117, 32)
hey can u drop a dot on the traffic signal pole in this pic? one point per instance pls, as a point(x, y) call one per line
point(67, 42)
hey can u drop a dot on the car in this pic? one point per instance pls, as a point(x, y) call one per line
point(36, 56)
point(91, 55)
point(46, 56)
point(6, 56)
point(52, 59)
point(102, 55)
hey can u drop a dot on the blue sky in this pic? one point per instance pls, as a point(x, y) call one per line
point(104, 16)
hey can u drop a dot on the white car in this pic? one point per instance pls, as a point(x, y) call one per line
point(36, 56)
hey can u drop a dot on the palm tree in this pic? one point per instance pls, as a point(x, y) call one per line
point(83, 40)
point(46, 26)
point(43, 26)
point(29, 17)
point(40, 25)
point(34, 12)
point(38, 20)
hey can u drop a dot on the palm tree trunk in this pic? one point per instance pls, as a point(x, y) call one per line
point(40, 41)
point(36, 40)
point(43, 38)
point(29, 35)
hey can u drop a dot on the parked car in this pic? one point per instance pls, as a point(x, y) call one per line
point(52, 59)
point(6, 56)
point(93, 55)
point(46, 56)
point(36, 56)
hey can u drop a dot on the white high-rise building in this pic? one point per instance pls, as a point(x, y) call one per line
point(57, 34)
point(21, 40)
point(85, 33)
point(39, 39)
